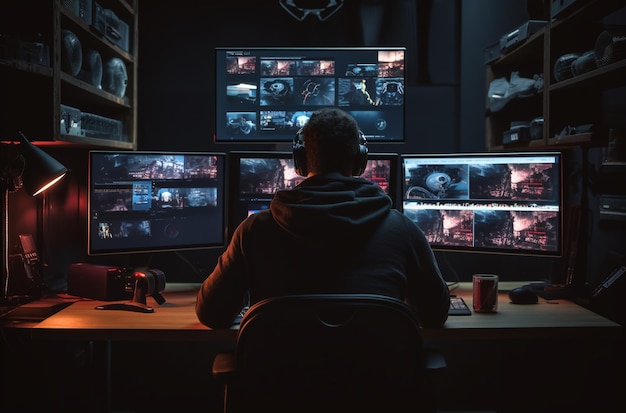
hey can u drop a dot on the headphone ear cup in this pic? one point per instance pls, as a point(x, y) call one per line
point(299, 155)
point(159, 280)
point(151, 282)
point(360, 162)
point(159, 285)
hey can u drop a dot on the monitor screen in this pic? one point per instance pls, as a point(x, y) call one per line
point(487, 202)
point(266, 95)
point(255, 178)
point(257, 175)
point(152, 201)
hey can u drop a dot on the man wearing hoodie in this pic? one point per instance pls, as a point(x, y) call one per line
point(333, 233)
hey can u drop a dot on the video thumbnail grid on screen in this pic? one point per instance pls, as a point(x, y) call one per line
point(269, 175)
point(261, 175)
point(488, 203)
point(153, 200)
point(267, 95)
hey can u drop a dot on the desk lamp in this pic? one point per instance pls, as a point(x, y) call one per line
point(22, 166)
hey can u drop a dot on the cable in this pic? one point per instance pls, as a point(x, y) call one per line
point(454, 273)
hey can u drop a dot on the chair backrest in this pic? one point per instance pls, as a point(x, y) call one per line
point(338, 352)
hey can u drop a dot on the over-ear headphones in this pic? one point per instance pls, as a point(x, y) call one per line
point(299, 155)
point(150, 282)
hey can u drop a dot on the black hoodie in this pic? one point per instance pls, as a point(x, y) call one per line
point(330, 234)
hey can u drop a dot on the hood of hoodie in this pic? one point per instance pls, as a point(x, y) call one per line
point(330, 206)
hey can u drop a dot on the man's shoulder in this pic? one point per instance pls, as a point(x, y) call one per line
point(397, 218)
point(260, 216)
point(396, 215)
point(260, 224)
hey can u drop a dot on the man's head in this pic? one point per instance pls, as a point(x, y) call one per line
point(330, 142)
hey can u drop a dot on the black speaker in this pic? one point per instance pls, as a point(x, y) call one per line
point(100, 282)
point(299, 155)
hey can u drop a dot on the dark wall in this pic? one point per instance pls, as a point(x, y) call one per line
point(176, 70)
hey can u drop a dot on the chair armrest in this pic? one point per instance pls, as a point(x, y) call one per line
point(224, 366)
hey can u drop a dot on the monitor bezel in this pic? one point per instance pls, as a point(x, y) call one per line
point(371, 124)
point(222, 184)
point(560, 201)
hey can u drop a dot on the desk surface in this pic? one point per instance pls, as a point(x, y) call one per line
point(176, 320)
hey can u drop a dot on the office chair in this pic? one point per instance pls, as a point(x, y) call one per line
point(329, 352)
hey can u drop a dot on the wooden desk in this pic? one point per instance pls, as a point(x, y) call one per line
point(544, 320)
point(512, 336)
point(176, 320)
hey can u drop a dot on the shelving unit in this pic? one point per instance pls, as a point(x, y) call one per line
point(569, 103)
point(38, 88)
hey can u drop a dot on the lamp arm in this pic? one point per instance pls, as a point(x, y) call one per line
point(4, 194)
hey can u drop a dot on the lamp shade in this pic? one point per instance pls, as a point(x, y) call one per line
point(40, 169)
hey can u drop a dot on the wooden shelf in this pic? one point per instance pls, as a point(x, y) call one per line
point(574, 101)
point(49, 88)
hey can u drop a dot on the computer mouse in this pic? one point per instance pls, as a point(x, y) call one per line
point(523, 295)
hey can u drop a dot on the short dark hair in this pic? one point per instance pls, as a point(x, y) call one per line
point(331, 141)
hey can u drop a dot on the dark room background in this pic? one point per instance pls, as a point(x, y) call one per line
point(445, 95)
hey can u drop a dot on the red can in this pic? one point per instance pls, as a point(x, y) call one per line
point(485, 291)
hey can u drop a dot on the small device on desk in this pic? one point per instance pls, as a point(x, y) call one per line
point(523, 295)
point(151, 283)
point(24, 281)
point(100, 282)
point(458, 306)
point(549, 291)
point(31, 258)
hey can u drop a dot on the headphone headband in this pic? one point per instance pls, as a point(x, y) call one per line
point(299, 155)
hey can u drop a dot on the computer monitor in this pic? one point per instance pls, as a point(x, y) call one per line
point(257, 175)
point(486, 202)
point(267, 94)
point(382, 169)
point(143, 201)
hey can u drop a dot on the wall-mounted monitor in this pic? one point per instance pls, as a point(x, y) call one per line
point(256, 176)
point(486, 202)
point(266, 95)
point(154, 201)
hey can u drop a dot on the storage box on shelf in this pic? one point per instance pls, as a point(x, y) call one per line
point(514, 88)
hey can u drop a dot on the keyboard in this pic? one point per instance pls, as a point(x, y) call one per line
point(458, 307)
point(239, 316)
